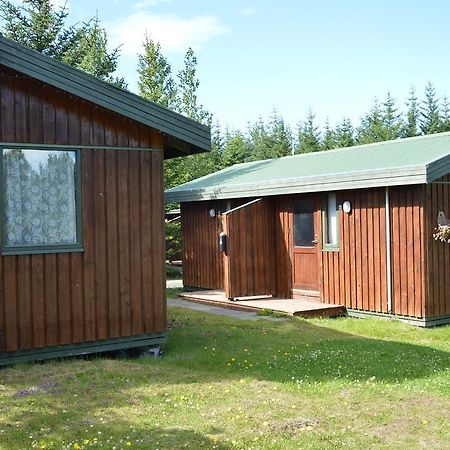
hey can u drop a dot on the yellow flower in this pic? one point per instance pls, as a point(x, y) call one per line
point(86, 442)
point(76, 446)
point(128, 444)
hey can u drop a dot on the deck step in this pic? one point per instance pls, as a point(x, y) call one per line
point(291, 307)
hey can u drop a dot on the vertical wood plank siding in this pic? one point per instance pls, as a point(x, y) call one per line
point(250, 256)
point(355, 276)
point(116, 286)
point(202, 261)
point(438, 257)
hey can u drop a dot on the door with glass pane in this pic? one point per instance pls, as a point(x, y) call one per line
point(305, 243)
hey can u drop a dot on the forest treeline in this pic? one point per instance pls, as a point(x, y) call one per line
point(44, 26)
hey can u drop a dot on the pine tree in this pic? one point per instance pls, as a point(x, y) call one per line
point(391, 119)
point(258, 142)
point(187, 87)
point(41, 25)
point(372, 125)
point(279, 137)
point(308, 135)
point(344, 134)
point(430, 117)
point(329, 137)
point(445, 125)
point(410, 128)
point(93, 55)
point(155, 75)
point(235, 149)
point(217, 146)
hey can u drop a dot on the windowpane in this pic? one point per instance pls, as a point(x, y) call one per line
point(332, 233)
point(39, 197)
point(304, 223)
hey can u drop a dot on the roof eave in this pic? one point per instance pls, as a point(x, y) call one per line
point(338, 182)
point(185, 134)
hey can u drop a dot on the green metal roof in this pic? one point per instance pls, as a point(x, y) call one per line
point(403, 161)
point(183, 135)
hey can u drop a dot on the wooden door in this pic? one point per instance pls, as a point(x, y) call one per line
point(305, 243)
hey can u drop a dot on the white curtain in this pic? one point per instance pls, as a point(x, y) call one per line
point(39, 197)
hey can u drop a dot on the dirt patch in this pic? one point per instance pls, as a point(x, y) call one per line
point(295, 425)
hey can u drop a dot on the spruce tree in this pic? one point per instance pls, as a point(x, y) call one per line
point(42, 26)
point(308, 135)
point(259, 142)
point(371, 128)
point(430, 117)
point(279, 137)
point(187, 88)
point(445, 120)
point(410, 127)
point(329, 137)
point(391, 119)
point(39, 25)
point(93, 55)
point(235, 149)
point(344, 134)
point(155, 75)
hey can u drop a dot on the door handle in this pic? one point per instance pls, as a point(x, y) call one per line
point(315, 241)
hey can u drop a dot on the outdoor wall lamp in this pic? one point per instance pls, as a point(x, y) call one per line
point(347, 207)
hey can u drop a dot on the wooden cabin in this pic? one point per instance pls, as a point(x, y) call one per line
point(352, 227)
point(82, 230)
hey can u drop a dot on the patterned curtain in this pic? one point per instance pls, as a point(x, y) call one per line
point(39, 197)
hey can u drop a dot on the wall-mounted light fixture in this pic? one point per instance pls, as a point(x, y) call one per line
point(347, 207)
point(212, 212)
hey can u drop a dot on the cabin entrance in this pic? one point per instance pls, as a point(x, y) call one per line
point(305, 245)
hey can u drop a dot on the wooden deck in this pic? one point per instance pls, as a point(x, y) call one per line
point(292, 307)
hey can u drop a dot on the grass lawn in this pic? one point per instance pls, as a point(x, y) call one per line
point(229, 384)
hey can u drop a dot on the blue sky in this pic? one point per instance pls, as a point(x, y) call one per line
point(253, 56)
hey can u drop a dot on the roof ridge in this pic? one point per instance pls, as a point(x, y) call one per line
point(359, 146)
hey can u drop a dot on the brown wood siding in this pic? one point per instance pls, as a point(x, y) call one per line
point(250, 258)
point(282, 248)
point(202, 261)
point(116, 286)
point(438, 253)
point(32, 112)
point(355, 276)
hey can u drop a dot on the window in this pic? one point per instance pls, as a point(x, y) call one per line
point(330, 223)
point(304, 223)
point(41, 201)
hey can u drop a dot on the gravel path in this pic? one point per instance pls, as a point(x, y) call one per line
point(241, 315)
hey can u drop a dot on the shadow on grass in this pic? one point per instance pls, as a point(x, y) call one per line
point(68, 397)
point(118, 435)
point(295, 349)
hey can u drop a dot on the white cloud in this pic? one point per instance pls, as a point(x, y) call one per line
point(248, 11)
point(174, 33)
point(143, 4)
